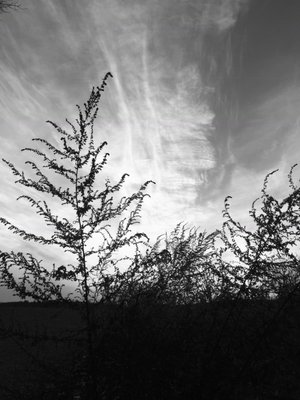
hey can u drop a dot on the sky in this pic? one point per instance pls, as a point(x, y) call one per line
point(204, 101)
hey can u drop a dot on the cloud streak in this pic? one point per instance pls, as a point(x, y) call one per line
point(160, 96)
point(158, 113)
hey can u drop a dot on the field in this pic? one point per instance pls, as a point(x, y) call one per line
point(242, 350)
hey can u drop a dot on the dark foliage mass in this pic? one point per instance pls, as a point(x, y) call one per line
point(194, 316)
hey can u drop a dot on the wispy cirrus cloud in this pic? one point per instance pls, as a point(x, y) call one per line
point(157, 114)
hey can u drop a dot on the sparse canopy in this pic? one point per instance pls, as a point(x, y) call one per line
point(76, 160)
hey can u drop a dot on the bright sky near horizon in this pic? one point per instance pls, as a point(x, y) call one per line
point(204, 101)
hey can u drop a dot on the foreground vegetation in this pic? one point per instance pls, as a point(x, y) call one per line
point(154, 351)
point(194, 316)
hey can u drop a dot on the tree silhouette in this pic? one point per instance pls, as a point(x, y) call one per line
point(77, 161)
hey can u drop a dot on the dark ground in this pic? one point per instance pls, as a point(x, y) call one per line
point(225, 350)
